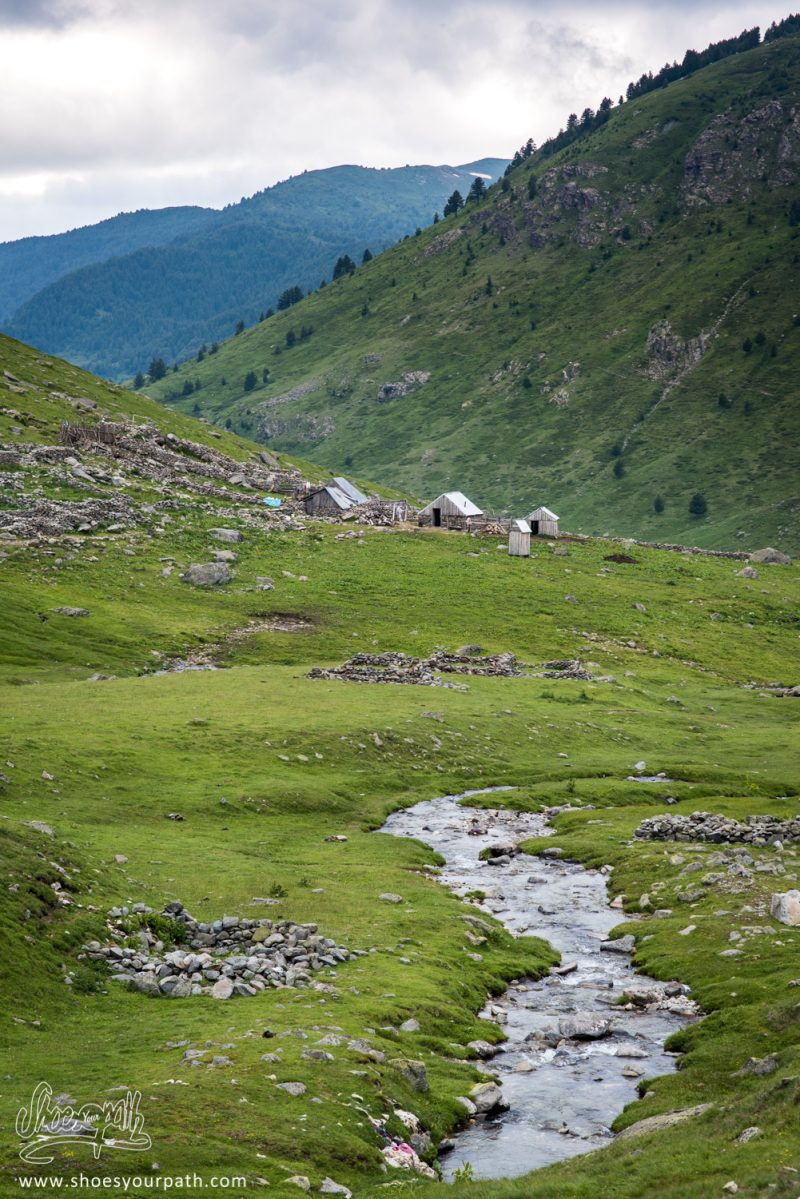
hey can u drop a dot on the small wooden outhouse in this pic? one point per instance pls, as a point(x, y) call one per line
point(519, 539)
point(543, 523)
point(450, 510)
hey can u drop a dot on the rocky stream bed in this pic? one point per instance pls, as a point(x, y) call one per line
point(574, 1056)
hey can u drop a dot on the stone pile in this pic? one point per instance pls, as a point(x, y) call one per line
point(503, 665)
point(231, 956)
point(564, 668)
point(380, 668)
point(402, 668)
point(706, 826)
point(49, 518)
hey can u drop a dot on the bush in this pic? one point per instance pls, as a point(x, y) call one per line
point(250, 380)
point(697, 504)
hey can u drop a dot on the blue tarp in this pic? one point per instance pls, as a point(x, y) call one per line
point(272, 503)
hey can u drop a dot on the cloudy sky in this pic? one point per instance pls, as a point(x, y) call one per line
point(113, 105)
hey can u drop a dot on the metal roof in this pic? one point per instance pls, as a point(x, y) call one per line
point(520, 526)
point(350, 490)
point(459, 501)
point(542, 514)
point(337, 495)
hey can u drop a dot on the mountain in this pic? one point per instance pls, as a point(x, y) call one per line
point(32, 263)
point(612, 331)
point(160, 284)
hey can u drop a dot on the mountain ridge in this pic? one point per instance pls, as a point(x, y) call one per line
point(207, 270)
point(609, 332)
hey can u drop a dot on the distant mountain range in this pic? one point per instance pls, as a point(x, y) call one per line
point(150, 284)
point(613, 331)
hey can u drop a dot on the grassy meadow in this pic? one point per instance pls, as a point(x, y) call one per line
point(264, 764)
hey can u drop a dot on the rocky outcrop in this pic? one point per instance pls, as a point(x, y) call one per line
point(668, 354)
point(731, 157)
point(410, 381)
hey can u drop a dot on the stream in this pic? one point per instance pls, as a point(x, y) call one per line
point(563, 1096)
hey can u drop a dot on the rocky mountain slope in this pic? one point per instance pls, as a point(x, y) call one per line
point(116, 295)
point(613, 331)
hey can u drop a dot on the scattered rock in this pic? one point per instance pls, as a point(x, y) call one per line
point(389, 897)
point(329, 1187)
point(230, 535)
point(785, 907)
point(295, 1089)
point(748, 1134)
point(207, 574)
point(72, 611)
point(759, 1066)
point(665, 1120)
point(488, 1097)
point(584, 1027)
point(413, 1072)
point(747, 572)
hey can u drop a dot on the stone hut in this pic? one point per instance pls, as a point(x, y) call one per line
point(450, 510)
point(543, 523)
point(519, 539)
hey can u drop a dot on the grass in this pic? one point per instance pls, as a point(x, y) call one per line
point(295, 760)
point(570, 315)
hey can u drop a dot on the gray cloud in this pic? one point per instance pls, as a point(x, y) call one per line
point(119, 104)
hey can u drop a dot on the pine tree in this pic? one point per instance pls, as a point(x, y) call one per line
point(454, 204)
point(138, 381)
point(697, 504)
point(478, 190)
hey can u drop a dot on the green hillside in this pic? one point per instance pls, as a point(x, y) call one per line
point(252, 790)
point(611, 332)
point(116, 295)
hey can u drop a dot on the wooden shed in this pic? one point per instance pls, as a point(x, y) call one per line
point(519, 539)
point(543, 523)
point(333, 498)
point(450, 510)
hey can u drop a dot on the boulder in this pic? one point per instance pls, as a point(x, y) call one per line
point(665, 1120)
point(488, 1097)
point(413, 1072)
point(72, 611)
point(295, 1089)
point(329, 1187)
point(207, 574)
point(785, 907)
point(747, 572)
point(625, 944)
point(222, 989)
point(588, 1027)
point(771, 557)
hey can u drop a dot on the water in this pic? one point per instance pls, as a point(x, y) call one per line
point(566, 1098)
